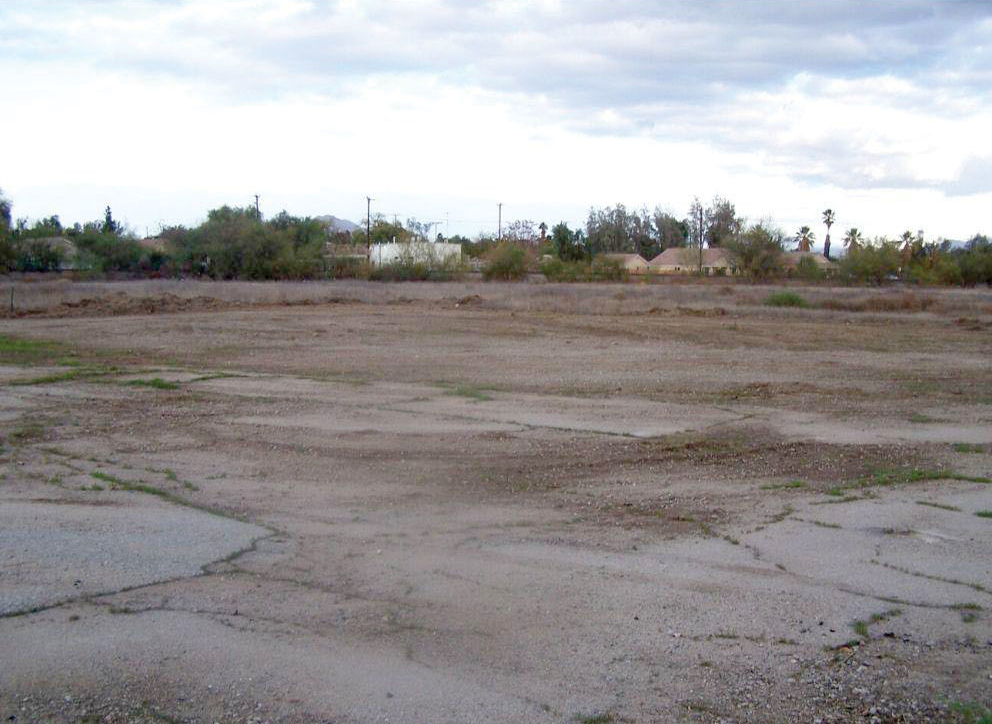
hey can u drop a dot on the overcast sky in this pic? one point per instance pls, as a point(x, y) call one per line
point(164, 109)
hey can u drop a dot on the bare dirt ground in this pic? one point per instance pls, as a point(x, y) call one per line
point(492, 503)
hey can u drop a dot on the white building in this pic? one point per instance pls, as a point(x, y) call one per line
point(415, 251)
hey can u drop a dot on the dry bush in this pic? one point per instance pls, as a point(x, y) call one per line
point(898, 302)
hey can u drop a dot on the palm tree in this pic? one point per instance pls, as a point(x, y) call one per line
point(805, 237)
point(907, 246)
point(853, 239)
point(828, 220)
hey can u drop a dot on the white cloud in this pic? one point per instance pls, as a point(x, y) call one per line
point(166, 109)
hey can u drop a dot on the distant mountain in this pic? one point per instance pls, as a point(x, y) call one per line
point(337, 225)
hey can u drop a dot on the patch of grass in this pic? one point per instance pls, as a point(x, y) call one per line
point(836, 500)
point(473, 393)
point(968, 713)
point(731, 540)
point(921, 418)
point(984, 513)
point(116, 483)
point(604, 718)
point(27, 432)
point(785, 486)
point(171, 475)
point(942, 506)
point(861, 627)
point(730, 635)
point(901, 476)
point(967, 447)
point(57, 377)
point(785, 299)
point(29, 352)
point(821, 524)
point(931, 577)
point(216, 376)
point(156, 382)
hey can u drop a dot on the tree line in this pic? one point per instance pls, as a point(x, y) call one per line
point(238, 243)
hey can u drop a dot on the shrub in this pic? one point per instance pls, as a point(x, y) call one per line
point(599, 270)
point(345, 267)
point(871, 264)
point(506, 262)
point(607, 270)
point(757, 252)
point(902, 302)
point(808, 270)
point(786, 299)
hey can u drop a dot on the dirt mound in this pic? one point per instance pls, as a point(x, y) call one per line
point(472, 300)
point(120, 303)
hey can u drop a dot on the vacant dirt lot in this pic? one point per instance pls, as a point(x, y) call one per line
point(494, 503)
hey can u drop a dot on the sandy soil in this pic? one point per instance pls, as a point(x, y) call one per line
point(438, 506)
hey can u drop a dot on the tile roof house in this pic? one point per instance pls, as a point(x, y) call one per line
point(791, 259)
point(632, 263)
point(685, 260)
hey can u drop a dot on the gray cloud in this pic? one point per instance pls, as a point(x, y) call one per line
point(975, 177)
point(666, 69)
point(586, 53)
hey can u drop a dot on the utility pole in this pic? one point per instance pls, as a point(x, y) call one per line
point(499, 233)
point(258, 214)
point(368, 226)
point(701, 236)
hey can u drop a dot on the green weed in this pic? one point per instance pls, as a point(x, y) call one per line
point(785, 486)
point(604, 718)
point(861, 627)
point(473, 393)
point(938, 505)
point(156, 382)
point(786, 299)
point(968, 713)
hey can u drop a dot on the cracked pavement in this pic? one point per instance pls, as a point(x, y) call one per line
point(371, 525)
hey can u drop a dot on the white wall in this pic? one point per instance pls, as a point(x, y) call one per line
point(423, 251)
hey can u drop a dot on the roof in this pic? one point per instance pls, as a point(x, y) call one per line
point(792, 258)
point(626, 257)
point(153, 243)
point(687, 256)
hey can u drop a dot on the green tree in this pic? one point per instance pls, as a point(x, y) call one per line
point(6, 245)
point(853, 239)
point(5, 209)
point(757, 252)
point(873, 263)
point(109, 225)
point(697, 232)
point(804, 238)
point(669, 230)
point(566, 243)
point(722, 222)
point(828, 221)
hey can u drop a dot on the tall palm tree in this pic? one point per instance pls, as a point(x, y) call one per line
point(853, 239)
point(828, 220)
point(805, 237)
point(907, 245)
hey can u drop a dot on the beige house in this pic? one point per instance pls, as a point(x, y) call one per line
point(685, 260)
point(791, 259)
point(631, 263)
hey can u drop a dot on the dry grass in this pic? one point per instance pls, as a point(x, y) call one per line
point(657, 296)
